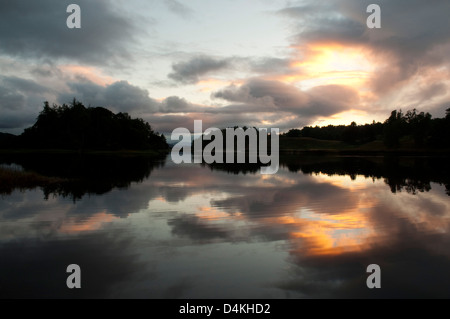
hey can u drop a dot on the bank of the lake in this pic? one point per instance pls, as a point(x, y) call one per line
point(309, 146)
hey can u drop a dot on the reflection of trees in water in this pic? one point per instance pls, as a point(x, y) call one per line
point(99, 174)
point(412, 174)
point(86, 174)
point(235, 168)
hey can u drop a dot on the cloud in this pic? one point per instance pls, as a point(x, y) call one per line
point(201, 66)
point(179, 8)
point(19, 102)
point(167, 122)
point(174, 104)
point(252, 103)
point(321, 100)
point(431, 91)
point(268, 65)
point(38, 30)
point(120, 96)
point(11, 98)
point(23, 85)
point(191, 71)
point(400, 50)
point(408, 63)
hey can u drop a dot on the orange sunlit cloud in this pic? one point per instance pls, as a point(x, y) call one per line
point(331, 63)
point(90, 73)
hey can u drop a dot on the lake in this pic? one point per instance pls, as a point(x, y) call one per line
point(148, 228)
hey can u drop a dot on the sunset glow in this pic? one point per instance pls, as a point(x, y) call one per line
point(232, 150)
point(333, 63)
point(263, 68)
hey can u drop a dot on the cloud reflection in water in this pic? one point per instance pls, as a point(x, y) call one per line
point(192, 231)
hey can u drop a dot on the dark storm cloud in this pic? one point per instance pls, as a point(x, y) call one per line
point(37, 29)
point(331, 99)
point(10, 98)
point(121, 96)
point(24, 85)
point(125, 96)
point(45, 71)
point(174, 104)
point(190, 71)
point(19, 100)
point(324, 20)
point(198, 67)
point(251, 103)
point(320, 100)
point(403, 20)
point(326, 27)
point(15, 91)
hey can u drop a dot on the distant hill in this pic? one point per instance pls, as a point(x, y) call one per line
point(7, 140)
point(76, 127)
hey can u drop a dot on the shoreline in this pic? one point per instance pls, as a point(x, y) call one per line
point(282, 151)
point(84, 152)
point(359, 152)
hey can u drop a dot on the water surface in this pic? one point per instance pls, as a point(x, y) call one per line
point(142, 228)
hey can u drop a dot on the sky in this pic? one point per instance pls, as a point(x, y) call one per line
point(282, 64)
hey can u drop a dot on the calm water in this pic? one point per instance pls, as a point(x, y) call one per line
point(153, 229)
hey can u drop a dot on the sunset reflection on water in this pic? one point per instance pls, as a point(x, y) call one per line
point(194, 231)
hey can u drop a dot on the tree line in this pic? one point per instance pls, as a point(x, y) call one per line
point(77, 127)
point(418, 127)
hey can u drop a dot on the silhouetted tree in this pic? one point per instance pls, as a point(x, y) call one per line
point(76, 127)
point(393, 127)
point(350, 133)
point(418, 127)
